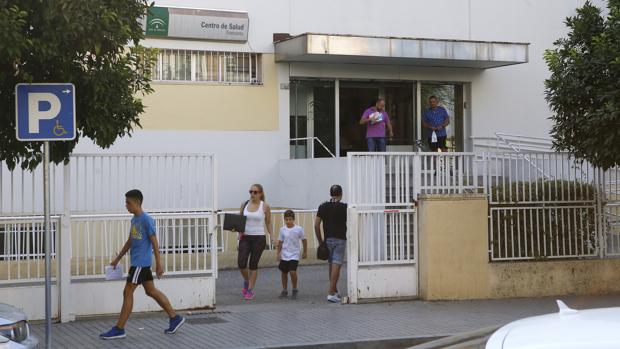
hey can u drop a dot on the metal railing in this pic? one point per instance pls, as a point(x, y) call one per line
point(449, 173)
point(519, 143)
point(395, 179)
point(185, 241)
point(542, 206)
point(170, 183)
point(22, 241)
point(21, 191)
point(543, 232)
point(310, 140)
point(386, 236)
point(611, 211)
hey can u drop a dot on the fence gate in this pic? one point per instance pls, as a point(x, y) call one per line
point(382, 246)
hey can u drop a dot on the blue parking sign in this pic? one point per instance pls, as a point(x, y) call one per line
point(45, 112)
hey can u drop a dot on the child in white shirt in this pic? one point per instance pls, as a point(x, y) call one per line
point(289, 241)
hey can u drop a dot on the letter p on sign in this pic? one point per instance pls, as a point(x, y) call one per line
point(36, 101)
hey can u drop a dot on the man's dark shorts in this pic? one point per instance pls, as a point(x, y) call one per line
point(139, 275)
point(441, 143)
point(286, 266)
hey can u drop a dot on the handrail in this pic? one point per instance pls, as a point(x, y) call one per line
point(312, 147)
point(502, 137)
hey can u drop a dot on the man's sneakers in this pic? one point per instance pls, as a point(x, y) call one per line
point(333, 298)
point(283, 294)
point(175, 323)
point(294, 295)
point(114, 333)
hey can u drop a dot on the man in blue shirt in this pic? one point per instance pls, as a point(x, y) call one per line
point(143, 244)
point(435, 119)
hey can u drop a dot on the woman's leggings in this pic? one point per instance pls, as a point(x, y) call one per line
point(251, 247)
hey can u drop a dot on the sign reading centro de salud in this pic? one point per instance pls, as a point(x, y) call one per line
point(185, 23)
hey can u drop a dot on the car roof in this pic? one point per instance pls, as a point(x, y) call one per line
point(10, 315)
point(567, 329)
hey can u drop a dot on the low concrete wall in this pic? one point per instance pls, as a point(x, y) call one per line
point(304, 183)
point(454, 262)
point(453, 248)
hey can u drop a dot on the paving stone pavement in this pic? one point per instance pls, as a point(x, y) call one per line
point(268, 322)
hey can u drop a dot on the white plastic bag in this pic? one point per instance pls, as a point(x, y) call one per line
point(434, 137)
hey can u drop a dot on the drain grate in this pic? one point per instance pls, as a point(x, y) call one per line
point(205, 320)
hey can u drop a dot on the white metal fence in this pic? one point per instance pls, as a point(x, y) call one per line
point(22, 251)
point(21, 191)
point(548, 206)
point(611, 211)
point(396, 179)
point(449, 173)
point(98, 183)
point(542, 205)
point(387, 236)
point(169, 182)
point(185, 241)
point(180, 192)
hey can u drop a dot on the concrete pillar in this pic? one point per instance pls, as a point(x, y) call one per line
point(63, 276)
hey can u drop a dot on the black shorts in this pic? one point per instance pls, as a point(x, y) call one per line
point(251, 247)
point(138, 275)
point(441, 143)
point(286, 266)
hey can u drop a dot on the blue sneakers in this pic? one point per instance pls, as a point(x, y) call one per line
point(175, 323)
point(114, 333)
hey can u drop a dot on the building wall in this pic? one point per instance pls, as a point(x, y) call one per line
point(248, 126)
point(454, 264)
point(188, 106)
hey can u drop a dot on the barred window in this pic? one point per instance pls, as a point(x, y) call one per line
point(208, 66)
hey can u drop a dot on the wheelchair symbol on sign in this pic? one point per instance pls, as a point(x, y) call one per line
point(59, 130)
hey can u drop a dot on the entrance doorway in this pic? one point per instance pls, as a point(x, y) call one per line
point(355, 97)
point(450, 96)
point(317, 129)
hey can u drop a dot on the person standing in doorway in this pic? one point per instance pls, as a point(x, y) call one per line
point(435, 119)
point(333, 215)
point(253, 241)
point(377, 121)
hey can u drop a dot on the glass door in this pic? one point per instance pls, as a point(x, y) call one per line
point(312, 119)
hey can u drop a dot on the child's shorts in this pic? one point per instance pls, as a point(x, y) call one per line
point(286, 266)
point(138, 275)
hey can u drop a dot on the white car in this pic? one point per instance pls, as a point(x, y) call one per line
point(567, 329)
point(15, 329)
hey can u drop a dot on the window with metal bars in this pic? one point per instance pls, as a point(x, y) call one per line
point(208, 66)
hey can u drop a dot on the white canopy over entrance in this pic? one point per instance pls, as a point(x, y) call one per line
point(328, 48)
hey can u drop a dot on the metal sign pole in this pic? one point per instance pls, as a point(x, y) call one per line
point(48, 238)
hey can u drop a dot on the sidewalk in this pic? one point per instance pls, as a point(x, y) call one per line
point(268, 322)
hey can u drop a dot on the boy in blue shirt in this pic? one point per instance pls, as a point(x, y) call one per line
point(143, 244)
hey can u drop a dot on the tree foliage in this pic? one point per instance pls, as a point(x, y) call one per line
point(584, 88)
point(92, 44)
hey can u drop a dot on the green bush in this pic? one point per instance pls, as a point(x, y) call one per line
point(543, 191)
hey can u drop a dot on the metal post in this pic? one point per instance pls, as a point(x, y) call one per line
point(337, 118)
point(48, 264)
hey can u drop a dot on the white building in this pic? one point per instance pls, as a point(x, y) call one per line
point(245, 100)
